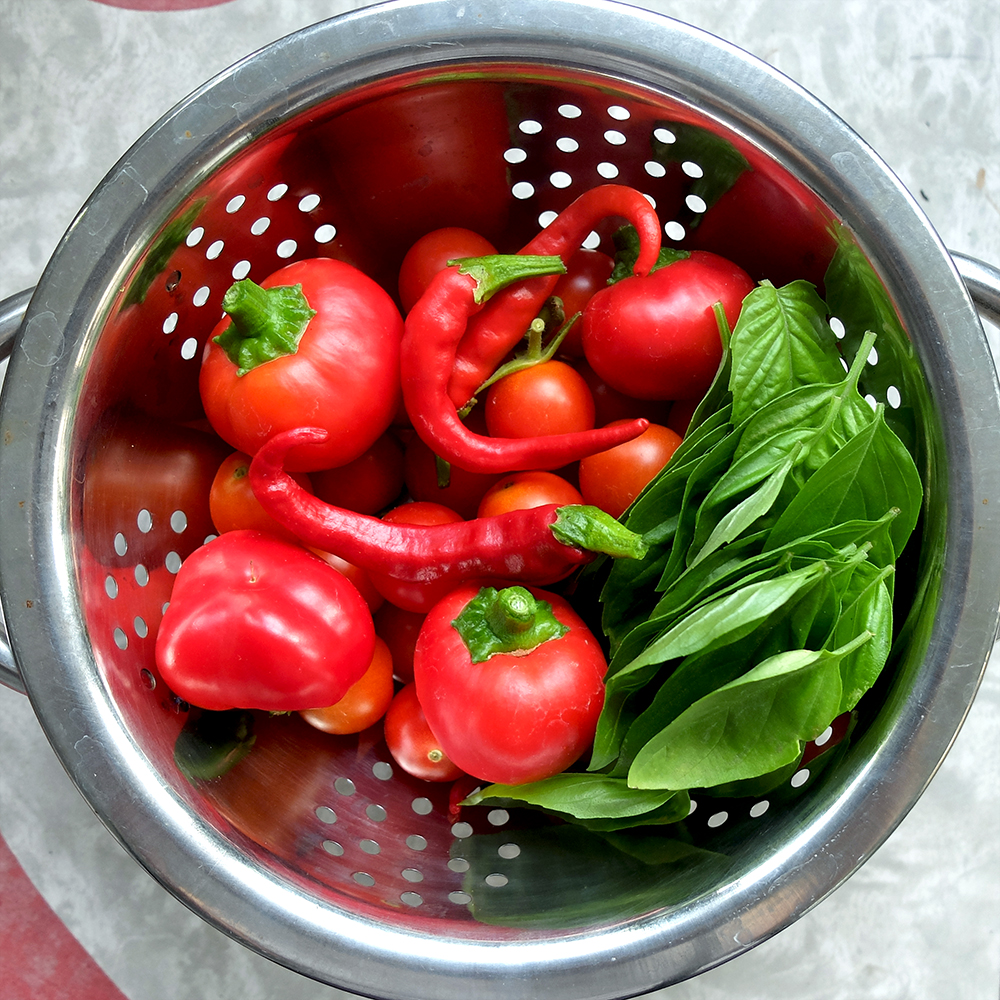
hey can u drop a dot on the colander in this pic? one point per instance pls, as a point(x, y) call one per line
point(317, 852)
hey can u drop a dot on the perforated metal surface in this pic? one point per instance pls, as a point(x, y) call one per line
point(355, 846)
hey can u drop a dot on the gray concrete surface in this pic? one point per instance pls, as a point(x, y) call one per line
point(918, 79)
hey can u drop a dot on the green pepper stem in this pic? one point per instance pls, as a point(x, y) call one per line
point(593, 529)
point(506, 621)
point(496, 271)
point(268, 323)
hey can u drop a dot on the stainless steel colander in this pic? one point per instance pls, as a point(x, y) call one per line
point(316, 852)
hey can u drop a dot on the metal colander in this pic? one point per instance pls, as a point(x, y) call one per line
point(317, 852)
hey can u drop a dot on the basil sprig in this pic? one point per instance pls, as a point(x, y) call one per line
point(763, 608)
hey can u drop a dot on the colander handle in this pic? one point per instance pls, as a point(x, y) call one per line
point(983, 282)
point(11, 313)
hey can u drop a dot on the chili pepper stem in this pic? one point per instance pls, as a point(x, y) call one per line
point(497, 271)
point(595, 530)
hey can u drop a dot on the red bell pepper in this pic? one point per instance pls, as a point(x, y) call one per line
point(316, 343)
point(259, 623)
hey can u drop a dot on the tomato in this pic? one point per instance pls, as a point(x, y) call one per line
point(399, 628)
point(431, 254)
point(464, 489)
point(547, 398)
point(521, 490)
point(405, 593)
point(587, 272)
point(412, 744)
point(341, 376)
point(657, 337)
point(366, 700)
point(146, 486)
point(610, 404)
point(526, 707)
point(612, 479)
point(368, 484)
point(358, 576)
point(233, 504)
point(681, 413)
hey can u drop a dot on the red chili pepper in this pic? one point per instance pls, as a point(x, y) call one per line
point(538, 545)
point(496, 330)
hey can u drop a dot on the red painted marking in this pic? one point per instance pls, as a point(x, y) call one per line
point(39, 958)
point(162, 4)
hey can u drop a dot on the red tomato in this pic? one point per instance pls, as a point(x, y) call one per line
point(405, 593)
point(610, 404)
point(681, 413)
point(358, 576)
point(548, 398)
point(368, 484)
point(233, 504)
point(521, 490)
point(463, 491)
point(587, 272)
point(612, 479)
point(431, 254)
point(399, 629)
point(366, 700)
point(657, 337)
point(412, 744)
point(515, 716)
point(343, 376)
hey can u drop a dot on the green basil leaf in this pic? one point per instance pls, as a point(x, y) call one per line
point(749, 727)
point(780, 342)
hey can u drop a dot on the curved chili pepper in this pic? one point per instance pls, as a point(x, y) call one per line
point(433, 329)
point(497, 329)
point(539, 545)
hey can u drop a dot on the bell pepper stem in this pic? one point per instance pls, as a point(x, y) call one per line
point(268, 323)
point(506, 621)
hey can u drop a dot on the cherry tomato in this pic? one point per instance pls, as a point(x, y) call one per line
point(431, 254)
point(510, 716)
point(547, 398)
point(587, 272)
point(412, 744)
point(366, 700)
point(464, 489)
point(358, 576)
point(407, 594)
point(657, 337)
point(233, 504)
point(399, 628)
point(368, 484)
point(612, 479)
point(681, 412)
point(610, 404)
point(521, 490)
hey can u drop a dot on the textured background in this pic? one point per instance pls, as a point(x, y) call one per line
point(919, 80)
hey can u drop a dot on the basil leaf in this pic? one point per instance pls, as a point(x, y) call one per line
point(781, 341)
point(872, 474)
point(749, 727)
